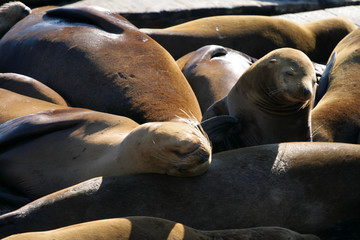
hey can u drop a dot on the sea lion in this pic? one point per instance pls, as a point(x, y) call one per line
point(308, 187)
point(254, 35)
point(336, 116)
point(102, 63)
point(151, 228)
point(270, 103)
point(212, 71)
point(10, 14)
point(29, 87)
point(91, 144)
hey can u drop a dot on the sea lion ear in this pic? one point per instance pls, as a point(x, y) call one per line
point(218, 129)
point(273, 60)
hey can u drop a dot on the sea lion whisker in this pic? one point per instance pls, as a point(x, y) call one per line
point(316, 131)
point(190, 117)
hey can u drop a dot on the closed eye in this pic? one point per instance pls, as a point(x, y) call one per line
point(289, 74)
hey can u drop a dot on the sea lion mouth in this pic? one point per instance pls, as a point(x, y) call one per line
point(198, 166)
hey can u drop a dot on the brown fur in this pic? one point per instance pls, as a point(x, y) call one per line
point(254, 35)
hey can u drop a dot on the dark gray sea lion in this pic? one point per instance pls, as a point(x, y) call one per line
point(304, 186)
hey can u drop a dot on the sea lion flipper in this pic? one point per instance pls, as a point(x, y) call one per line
point(216, 109)
point(324, 80)
point(99, 17)
point(217, 128)
point(18, 130)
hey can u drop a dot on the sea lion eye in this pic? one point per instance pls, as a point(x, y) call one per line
point(289, 73)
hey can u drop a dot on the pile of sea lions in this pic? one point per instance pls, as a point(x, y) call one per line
point(251, 133)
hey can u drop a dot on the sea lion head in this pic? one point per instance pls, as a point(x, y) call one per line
point(281, 81)
point(294, 75)
point(176, 148)
point(10, 14)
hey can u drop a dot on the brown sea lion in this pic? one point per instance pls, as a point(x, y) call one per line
point(29, 87)
point(254, 35)
point(151, 228)
point(336, 117)
point(61, 146)
point(212, 71)
point(10, 14)
point(270, 103)
point(102, 62)
point(308, 187)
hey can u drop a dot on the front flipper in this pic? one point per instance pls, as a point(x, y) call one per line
point(223, 131)
point(216, 109)
point(19, 130)
point(324, 80)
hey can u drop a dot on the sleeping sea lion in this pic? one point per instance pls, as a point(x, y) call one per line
point(270, 103)
point(336, 117)
point(308, 187)
point(57, 146)
point(254, 35)
point(96, 59)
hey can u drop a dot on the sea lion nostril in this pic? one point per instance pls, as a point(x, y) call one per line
point(219, 52)
point(306, 92)
point(204, 157)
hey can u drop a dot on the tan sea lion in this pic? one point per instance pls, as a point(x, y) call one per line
point(91, 144)
point(10, 14)
point(29, 87)
point(270, 103)
point(254, 35)
point(336, 117)
point(151, 228)
point(212, 71)
point(102, 63)
point(308, 187)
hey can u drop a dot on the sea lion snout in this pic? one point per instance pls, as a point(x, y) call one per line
point(307, 93)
